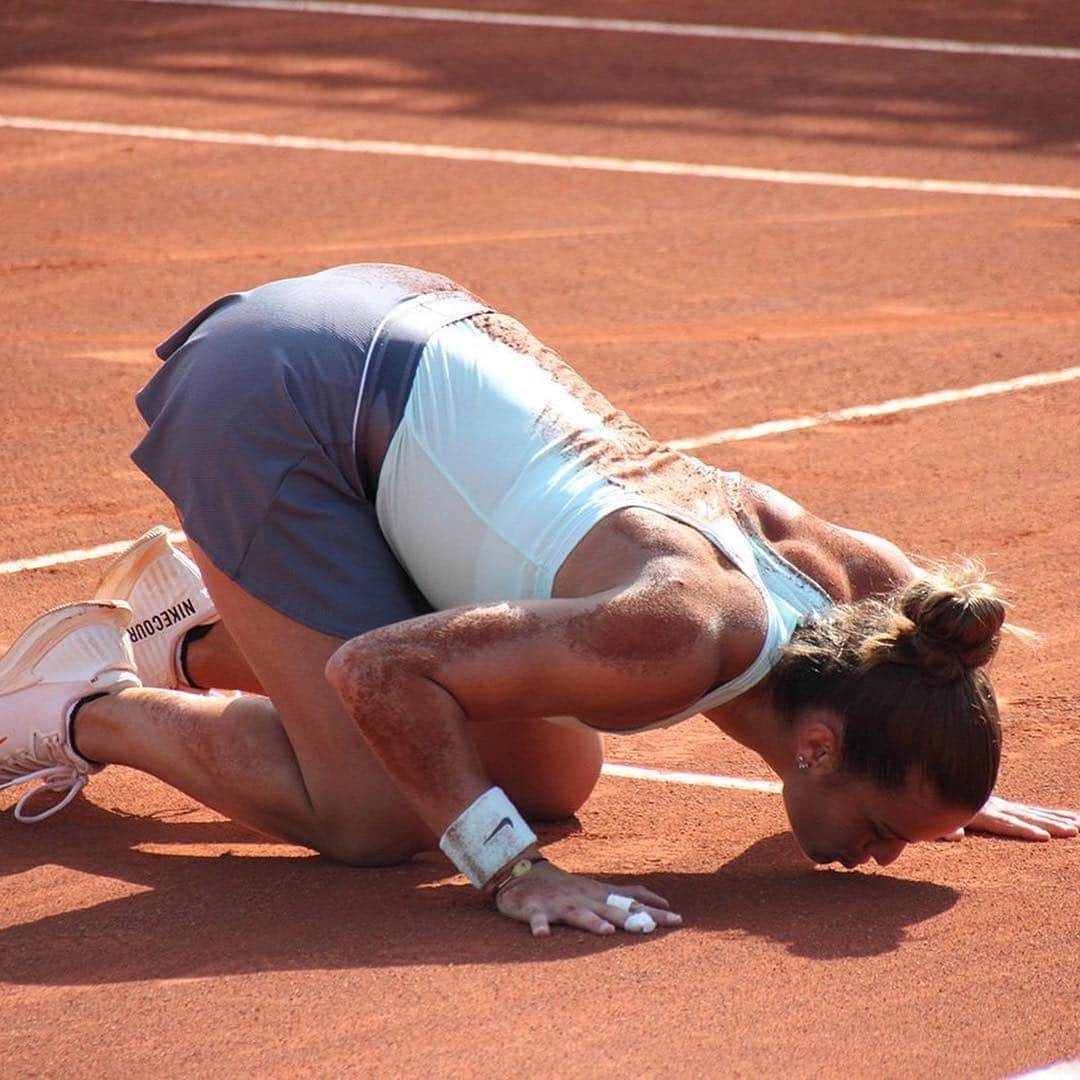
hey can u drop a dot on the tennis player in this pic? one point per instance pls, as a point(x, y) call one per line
point(440, 564)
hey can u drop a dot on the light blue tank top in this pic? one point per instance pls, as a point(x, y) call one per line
point(485, 490)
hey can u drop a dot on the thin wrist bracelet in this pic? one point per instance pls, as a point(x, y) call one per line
point(522, 867)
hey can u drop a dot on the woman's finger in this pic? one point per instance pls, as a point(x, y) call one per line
point(663, 917)
point(639, 892)
point(1054, 811)
point(1028, 831)
point(1032, 814)
point(1059, 827)
point(538, 923)
point(586, 919)
point(643, 899)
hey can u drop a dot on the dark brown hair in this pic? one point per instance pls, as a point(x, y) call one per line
point(906, 675)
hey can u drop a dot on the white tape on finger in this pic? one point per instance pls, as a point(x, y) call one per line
point(640, 922)
point(615, 900)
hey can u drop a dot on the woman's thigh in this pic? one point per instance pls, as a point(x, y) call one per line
point(358, 814)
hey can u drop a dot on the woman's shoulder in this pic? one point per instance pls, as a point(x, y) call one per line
point(848, 564)
point(878, 565)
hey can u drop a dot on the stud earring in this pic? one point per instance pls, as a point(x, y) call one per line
point(803, 763)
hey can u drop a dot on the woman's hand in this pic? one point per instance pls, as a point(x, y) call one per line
point(1004, 818)
point(547, 895)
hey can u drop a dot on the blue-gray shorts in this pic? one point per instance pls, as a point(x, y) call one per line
point(268, 422)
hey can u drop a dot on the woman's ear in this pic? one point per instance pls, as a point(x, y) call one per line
point(817, 741)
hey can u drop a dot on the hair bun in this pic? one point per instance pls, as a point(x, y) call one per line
point(956, 617)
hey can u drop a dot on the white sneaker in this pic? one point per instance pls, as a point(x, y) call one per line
point(167, 595)
point(62, 657)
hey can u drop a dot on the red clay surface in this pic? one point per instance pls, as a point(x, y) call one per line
point(142, 935)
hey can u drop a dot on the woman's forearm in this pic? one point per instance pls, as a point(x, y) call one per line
point(414, 726)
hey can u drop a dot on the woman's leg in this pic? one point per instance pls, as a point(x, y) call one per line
point(549, 770)
point(297, 768)
point(214, 660)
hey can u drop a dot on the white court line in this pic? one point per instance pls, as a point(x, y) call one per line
point(735, 783)
point(641, 26)
point(542, 160)
point(757, 431)
point(884, 408)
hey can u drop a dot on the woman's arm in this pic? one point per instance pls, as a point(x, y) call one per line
point(620, 658)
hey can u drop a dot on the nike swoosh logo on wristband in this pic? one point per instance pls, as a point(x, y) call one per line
point(502, 825)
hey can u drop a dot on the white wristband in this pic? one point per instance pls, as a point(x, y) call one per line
point(485, 836)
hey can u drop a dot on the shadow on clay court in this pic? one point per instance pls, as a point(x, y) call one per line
point(771, 892)
point(351, 67)
point(212, 913)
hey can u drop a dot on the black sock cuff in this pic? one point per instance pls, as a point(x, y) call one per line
point(71, 725)
point(194, 634)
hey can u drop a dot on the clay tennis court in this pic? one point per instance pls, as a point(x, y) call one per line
point(735, 236)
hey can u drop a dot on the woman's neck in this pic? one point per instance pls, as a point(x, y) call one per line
point(753, 722)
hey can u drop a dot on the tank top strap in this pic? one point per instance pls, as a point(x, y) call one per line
point(725, 534)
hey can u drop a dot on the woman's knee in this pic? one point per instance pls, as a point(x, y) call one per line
point(547, 770)
point(363, 846)
point(553, 803)
point(378, 829)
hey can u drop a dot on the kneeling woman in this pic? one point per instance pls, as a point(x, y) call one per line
point(449, 564)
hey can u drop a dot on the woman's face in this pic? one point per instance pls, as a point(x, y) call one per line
point(840, 818)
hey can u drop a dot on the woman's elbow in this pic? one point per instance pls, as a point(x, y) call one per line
point(348, 668)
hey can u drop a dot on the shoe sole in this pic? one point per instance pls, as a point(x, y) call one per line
point(112, 618)
point(122, 573)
